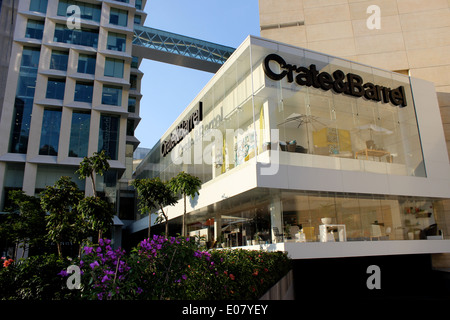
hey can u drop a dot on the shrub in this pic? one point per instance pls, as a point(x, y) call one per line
point(34, 278)
point(105, 273)
point(174, 268)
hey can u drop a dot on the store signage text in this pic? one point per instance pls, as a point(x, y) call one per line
point(349, 84)
point(182, 130)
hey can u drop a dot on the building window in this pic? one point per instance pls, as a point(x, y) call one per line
point(23, 104)
point(131, 104)
point(137, 19)
point(108, 138)
point(116, 41)
point(130, 127)
point(58, 60)
point(55, 89)
point(135, 62)
point(114, 68)
point(38, 6)
point(51, 123)
point(118, 17)
point(133, 82)
point(88, 11)
point(83, 91)
point(112, 95)
point(138, 4)
point(35, 29)
point(83, 36)
point(79, 134)
point(86, 64)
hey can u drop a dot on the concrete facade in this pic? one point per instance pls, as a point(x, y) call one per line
point(31, 171)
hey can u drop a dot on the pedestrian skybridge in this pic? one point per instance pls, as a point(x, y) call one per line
point(163, 46)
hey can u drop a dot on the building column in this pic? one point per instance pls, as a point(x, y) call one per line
point(276, 219)
point(217, 226)
point(29, 178)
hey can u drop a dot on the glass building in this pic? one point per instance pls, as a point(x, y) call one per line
point(296, 148)
point(66, 94)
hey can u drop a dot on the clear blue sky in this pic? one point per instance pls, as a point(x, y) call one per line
point(167, 90)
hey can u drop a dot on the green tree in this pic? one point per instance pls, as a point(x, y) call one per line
point(186, 185)
point(97, 213)
point(25, 223)
point(97, 164)
point(154, 194)
point(63, 221)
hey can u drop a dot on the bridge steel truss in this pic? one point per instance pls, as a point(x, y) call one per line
point(163, 46)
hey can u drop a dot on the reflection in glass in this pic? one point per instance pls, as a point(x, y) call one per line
point(23, 104)
point(108, 138)
point(51, 123)
point(79, 134)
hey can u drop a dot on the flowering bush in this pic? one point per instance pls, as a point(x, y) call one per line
point(164, 264)
point(105, 273)
point(7, 262)
point(249, 273)
point(158, 268)
point(34, 278)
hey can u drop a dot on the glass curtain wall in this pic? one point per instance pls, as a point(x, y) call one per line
point(350, 217)
point(88, 11)
point(108, 138)
point(317, 217)
point(51, 123)
point(223, 140)
point(24, 100)
point(354, 133)
point(79, 134)
point(348, 133)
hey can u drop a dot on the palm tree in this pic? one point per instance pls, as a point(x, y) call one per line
point(186, 185)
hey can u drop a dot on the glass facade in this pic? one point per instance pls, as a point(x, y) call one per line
point(137, 19)
point(112, 95)
point(114, 67)
point(108, 138)
point(315, 127)
point(116, 41)
point(133, 81)
point(55, 88)
point(249, 219)
point(38, 6)
point(24, 100)
point(79, 134)
point(86, 64)
point(316, 122)
point(88, 11)
point(83, 36)
point(35, 29)
point(118, 17)
point(130, 127)
point(58, 60)
point(51, 123)
point(131, 104)
point(83, 91)
point(135, 62)
point(138, 4)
